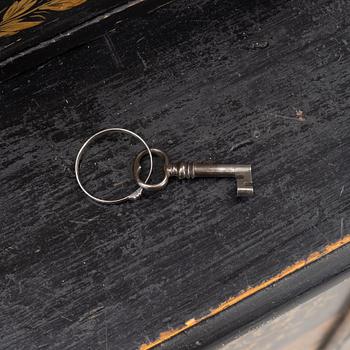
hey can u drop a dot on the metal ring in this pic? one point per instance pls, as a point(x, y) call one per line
point(134, 195)
point(137, 169)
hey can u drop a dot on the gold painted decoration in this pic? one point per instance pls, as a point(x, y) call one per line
point(24, 14)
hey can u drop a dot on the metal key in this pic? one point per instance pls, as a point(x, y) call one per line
point(190, 170)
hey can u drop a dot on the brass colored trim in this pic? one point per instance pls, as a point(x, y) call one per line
point(166, 335)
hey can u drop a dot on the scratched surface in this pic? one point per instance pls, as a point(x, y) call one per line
point(32, 32)
point(265, 83)
point(53, 22)
point(305, 326)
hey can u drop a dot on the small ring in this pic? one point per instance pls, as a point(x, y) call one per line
point(134, 195)
point(137, 170)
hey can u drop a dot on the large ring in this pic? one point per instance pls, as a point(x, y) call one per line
point(134, 195)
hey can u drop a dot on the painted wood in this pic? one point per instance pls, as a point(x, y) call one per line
point(305, 326)
point(32, 35)
point(25, 23)
point(221, 81)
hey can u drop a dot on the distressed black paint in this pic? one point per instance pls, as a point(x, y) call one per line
point(192, 80)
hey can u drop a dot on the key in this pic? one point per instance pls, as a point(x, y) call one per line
point(191, 170)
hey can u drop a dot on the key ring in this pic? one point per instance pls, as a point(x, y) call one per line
point(134, 195)
point(182, 170)
point(137, 169)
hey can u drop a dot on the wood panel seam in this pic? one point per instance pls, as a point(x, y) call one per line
point(167, 335)
point(71, 31)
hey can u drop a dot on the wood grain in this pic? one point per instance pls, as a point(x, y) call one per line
point(219, 81)
point(165, 336)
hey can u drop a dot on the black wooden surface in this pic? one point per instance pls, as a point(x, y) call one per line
point(78, 22)
point(252, 313)
point(218, 81)
point(52, 24)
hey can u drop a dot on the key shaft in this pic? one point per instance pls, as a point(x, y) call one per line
point(191, 170)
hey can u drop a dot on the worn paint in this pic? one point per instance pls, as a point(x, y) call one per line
point(164, 336)
point(202, 93)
